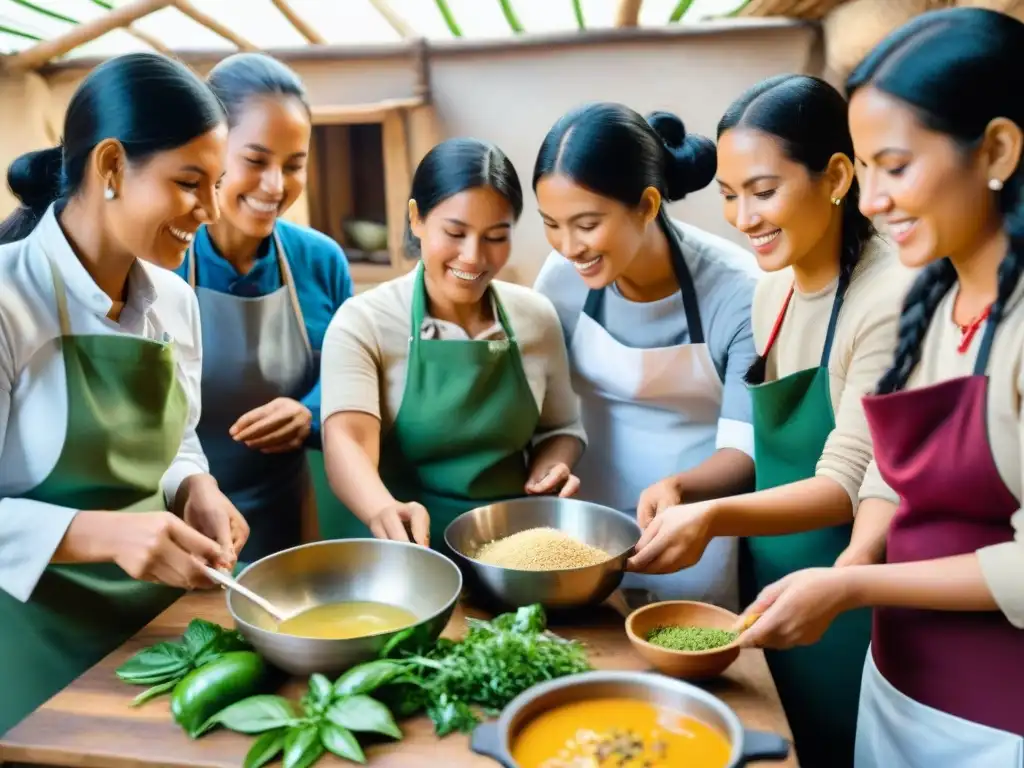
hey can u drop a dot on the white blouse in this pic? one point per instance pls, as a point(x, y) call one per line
point(33, 387)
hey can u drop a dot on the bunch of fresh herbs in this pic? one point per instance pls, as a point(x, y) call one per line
point(161, 666)
point(326, 719)
point(494, 663)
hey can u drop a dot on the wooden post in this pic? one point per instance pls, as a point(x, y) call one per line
point(186, 7)
point(303, 27)
point(41, 53)
point(397, 181)
point(628, 13)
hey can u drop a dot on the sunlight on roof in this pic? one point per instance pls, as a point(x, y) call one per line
point(341, 22)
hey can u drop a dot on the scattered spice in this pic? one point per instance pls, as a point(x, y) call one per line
point(540, 549)
point(615, 748)
point(677, 638)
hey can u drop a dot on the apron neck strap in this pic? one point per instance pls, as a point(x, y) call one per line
point(595, 298)
point(981, 363)
point(419, 307)
point(833, 321)
point(63, 318)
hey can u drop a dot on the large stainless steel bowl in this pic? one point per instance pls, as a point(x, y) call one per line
point(602, 527)
point(407, 576)
point(495, 739)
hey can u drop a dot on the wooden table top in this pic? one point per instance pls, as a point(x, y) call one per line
point(91, 724)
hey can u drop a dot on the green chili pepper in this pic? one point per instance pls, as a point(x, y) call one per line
point(212, 687)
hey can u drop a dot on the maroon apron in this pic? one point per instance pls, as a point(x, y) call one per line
point(931, 446)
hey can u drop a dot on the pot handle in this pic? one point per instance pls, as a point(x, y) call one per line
point(486, 740)
point(762, 745)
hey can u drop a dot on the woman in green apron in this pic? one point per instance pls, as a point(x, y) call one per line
point(445, 389)
point(825, 324)
point(106, 508)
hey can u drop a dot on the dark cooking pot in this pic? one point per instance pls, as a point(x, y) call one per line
point(494, 739)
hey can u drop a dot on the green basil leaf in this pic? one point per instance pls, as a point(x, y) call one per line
point(266, 747)
point(302, 747)
point(255, 714)
point(363, 714)
point(367, 677)
point(320, 688)
point(161, 660)
point(199, 634)
point(341, 742)
point(152, 693)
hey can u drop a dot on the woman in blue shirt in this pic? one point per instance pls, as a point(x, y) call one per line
point(267, 290)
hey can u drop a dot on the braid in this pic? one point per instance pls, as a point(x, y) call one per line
point(923, 298)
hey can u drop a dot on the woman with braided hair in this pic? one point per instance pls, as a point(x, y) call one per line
point(937, 121)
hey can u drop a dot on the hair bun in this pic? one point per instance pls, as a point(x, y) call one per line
point(35, 178)
point(692, 159)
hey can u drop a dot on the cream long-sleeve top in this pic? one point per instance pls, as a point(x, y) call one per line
point(862, 349)
point(366, 348)
point(33, 386)
point(1001, 564)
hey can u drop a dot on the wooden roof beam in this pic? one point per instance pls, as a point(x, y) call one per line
point(393, 18)
point(43, 52)
point(304, 28)
point(187, 8)
point(628, 13)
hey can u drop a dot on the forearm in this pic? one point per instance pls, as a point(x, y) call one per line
point(726, 472)
point(947, 584)
point(559, 449)
point(187, 488)
point(870, 530)
point(86, 540)
point(805, 505)
point(353, 475)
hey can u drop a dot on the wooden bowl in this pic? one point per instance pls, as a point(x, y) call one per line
point(688, 665)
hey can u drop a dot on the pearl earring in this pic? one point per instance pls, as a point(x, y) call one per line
point(836, 201)
point(109, 193)
point(995, 184)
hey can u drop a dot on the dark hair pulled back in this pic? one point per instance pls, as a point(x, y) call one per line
point(958, 69)
point(148, 102)
point(455, 166)
point(244, 76)
point(613, 151)
point(808, 117)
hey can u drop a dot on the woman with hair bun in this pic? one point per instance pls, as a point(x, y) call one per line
point(656, 315)
point(267, 290)
point(825, 319)
point(107, 507)
point(938, 126)
point(446, 389)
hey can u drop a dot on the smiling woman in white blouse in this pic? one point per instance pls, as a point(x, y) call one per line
point(99, 377)
point(445, 389)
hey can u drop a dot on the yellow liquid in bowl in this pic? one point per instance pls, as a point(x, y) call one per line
point(344, 621)
point(618, 733)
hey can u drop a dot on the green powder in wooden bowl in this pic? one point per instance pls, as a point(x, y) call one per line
point(677, 638)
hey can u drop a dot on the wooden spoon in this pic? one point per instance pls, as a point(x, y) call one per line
point(227, 581)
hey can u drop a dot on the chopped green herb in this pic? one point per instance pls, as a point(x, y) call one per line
point(690, 638)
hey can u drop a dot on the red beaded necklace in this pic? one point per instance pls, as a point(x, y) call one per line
point(967, 331)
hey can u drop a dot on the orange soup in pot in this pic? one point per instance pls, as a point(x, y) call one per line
point(618, 733)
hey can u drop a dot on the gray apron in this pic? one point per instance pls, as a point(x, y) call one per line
point(255, 350)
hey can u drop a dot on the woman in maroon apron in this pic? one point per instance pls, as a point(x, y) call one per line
point(938, 125)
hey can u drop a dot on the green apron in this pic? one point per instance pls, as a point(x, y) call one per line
point(126, 418)
point(462, 433)
point(820, 684)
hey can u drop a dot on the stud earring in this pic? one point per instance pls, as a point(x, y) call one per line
point(836, 201)
point(995, 184)
point(108, 193)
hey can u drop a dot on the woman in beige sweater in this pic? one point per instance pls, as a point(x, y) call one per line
point(446, 389)
point(824, 320)
point(938, 121)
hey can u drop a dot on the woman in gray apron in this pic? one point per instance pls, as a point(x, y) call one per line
point(937, 118)
point(446, 389)
point(656, 315)
point(267, 290)
point(825, 319)
point(99, 378)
